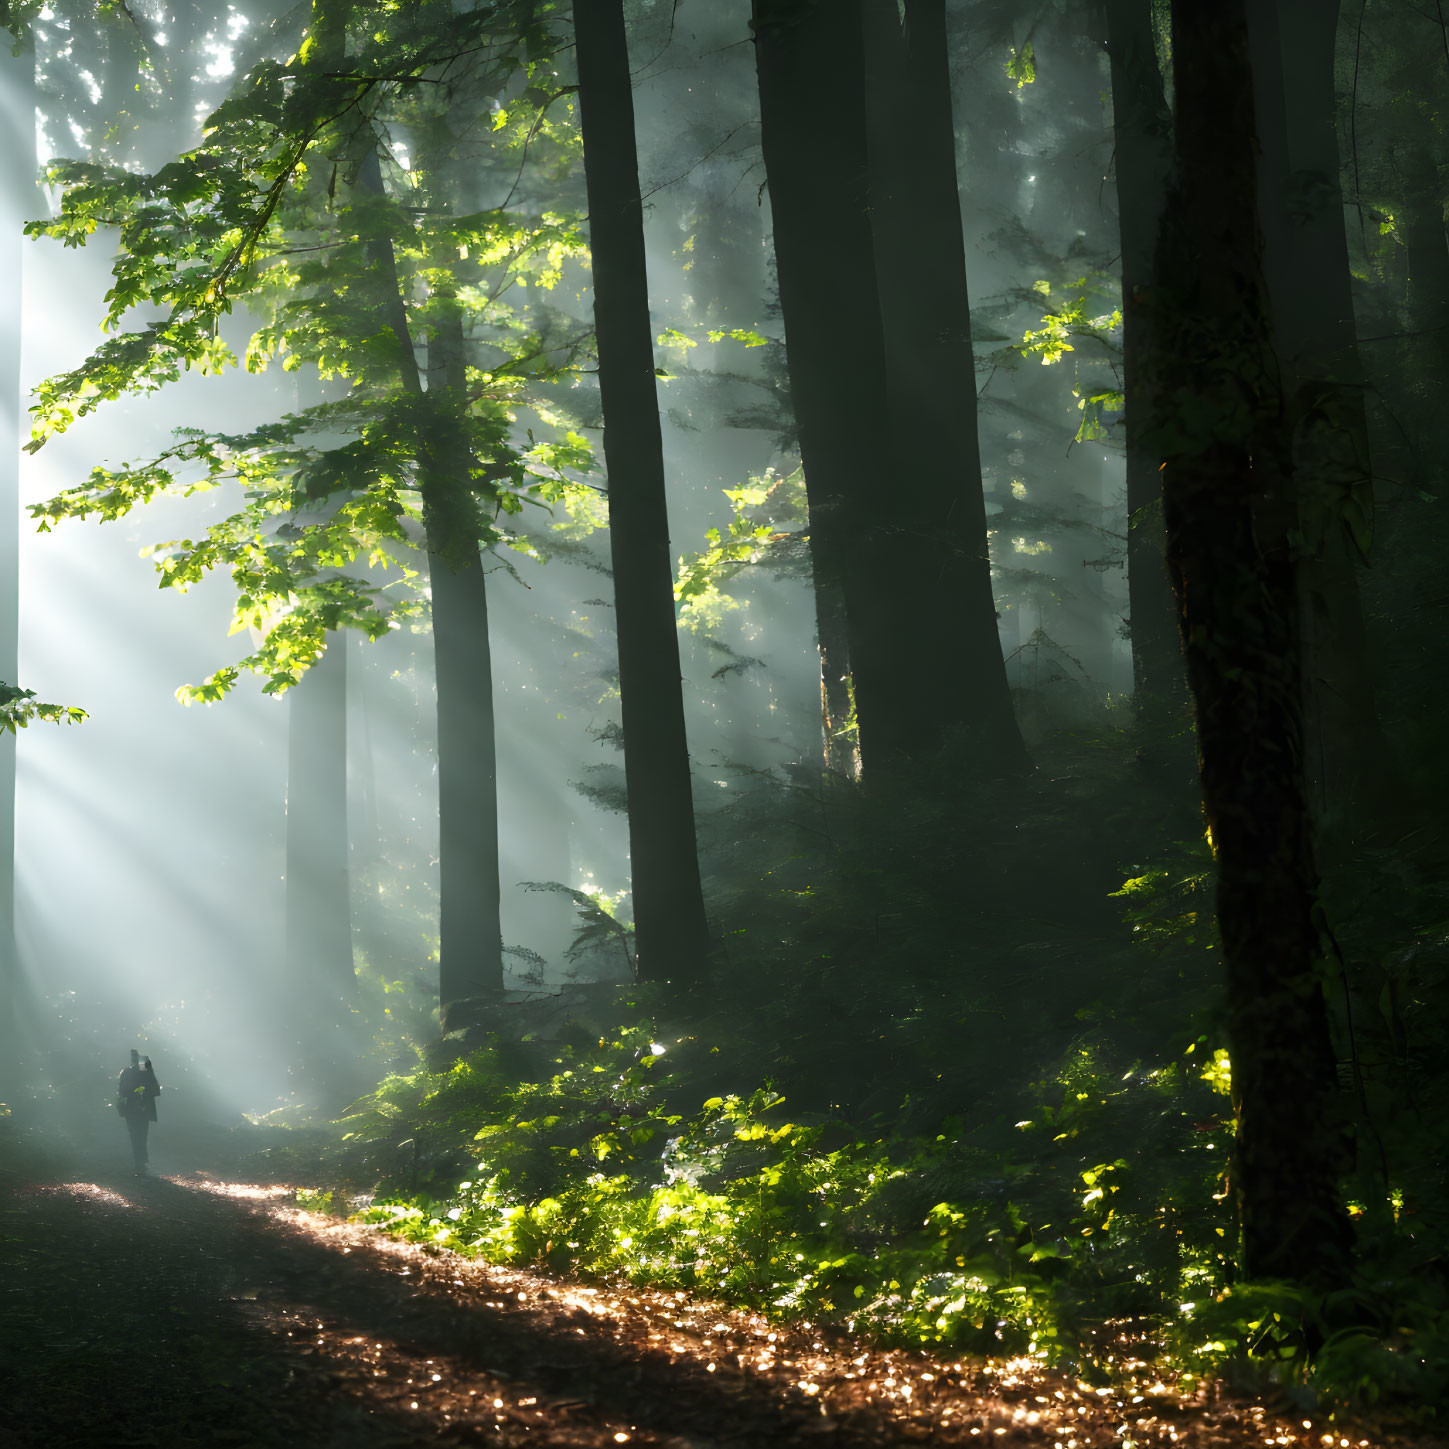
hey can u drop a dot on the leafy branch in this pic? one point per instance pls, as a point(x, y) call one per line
point(18, 707)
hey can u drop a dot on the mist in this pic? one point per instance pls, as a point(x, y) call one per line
point(784, 652)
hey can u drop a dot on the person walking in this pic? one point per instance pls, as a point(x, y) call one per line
point(136, 1094)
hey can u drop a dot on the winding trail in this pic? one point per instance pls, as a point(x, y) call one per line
point(183, 1310)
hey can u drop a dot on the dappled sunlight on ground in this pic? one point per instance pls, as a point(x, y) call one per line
point(93, 1192)
point(285, 1325)
point(820, 1387)
point(232, 1189)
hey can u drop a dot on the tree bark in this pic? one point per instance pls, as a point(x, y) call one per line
point(931, 538)
point(1421, 358)
point(837, 707)
point(470, 972)
point(1419, 220)
point(470, 969)
point(672, 937)
point(1142, 132)
point(1306, 256)
point(1231, 513)
point(810, 63)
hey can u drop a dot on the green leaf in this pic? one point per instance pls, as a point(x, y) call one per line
point(1021, 65)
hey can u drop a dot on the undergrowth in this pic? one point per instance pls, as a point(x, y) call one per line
point(937, 1094)
point(1056, 1250)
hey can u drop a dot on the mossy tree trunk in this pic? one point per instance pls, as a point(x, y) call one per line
point(672, 938)
point(1232, 513)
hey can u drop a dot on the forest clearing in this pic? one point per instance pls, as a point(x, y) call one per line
point(722, 722)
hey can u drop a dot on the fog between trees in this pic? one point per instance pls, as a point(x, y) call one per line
point(986, 354)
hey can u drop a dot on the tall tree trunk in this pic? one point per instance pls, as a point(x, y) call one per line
point(318, 914)
point(185, 26)
point(1231, 513)
point(810, 63)
point(470, 969)
point(1419, 222)
point(837, 706)
point(810, 344)
point(1421, 357)
point(1306, 258)
point(1142, 132)
point(317, 933)
point(931, 536)
point(18, 204)
point(669, 920)
point(470, 977)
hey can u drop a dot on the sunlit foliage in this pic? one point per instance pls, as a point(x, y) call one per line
point(18, 707)
point(269, 212)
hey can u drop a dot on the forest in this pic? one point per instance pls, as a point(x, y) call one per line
point(737, 705)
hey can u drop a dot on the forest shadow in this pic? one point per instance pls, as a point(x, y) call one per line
point(198, 1292)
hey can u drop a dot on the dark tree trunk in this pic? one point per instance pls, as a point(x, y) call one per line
point(1421, 356)
point(470, 973)
point(837, 708)
point(669, 920)
point(931, 537)
point(1306, 257)
point(18, 203)
point(470, 969)
point(1419, 223)
point(810, 62)
point(1142, 131)
point(1231, 513)
point(1415, 372)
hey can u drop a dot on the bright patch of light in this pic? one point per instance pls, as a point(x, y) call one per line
point(96, 1193)
point(655, 1049)
point(245, 1190)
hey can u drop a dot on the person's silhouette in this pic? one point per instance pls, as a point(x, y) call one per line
point(136, 1094)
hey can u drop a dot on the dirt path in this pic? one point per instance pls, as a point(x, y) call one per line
point(180, 1310)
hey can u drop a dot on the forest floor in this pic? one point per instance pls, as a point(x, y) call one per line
point(184, 1308)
